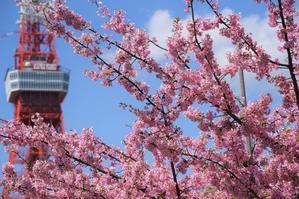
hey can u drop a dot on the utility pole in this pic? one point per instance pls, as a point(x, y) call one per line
point(249, 141)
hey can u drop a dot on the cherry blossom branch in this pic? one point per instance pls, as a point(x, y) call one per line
point(157, 45)
point(213, 162)
point(290, 65)
point(92, 166)
point(165, 49)
point(116, 177)
point(290, 58)
point(224, 22)
point(120, 74)
point(128, 52)
point(82, 161)
point(78, 188)
point(228, 111)
point(226, 169)
point(143, 60)
point(119, 46)
point(148, 99)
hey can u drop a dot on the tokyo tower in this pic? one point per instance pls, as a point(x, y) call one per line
point(36, 83)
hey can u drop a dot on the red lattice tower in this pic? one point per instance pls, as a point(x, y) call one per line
point(36, 84)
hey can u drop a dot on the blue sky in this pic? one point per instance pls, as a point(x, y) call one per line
point(88, 104)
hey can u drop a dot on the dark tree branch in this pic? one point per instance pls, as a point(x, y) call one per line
point(290, 58)
point(174, 175)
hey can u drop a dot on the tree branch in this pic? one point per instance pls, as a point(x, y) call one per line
point(290, 58)
point(177, 188)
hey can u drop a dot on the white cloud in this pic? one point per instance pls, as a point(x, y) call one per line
point(227, 11)
point(263, 34)
point(160, 26)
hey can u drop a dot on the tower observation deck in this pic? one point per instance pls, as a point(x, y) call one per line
point(36, 83)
